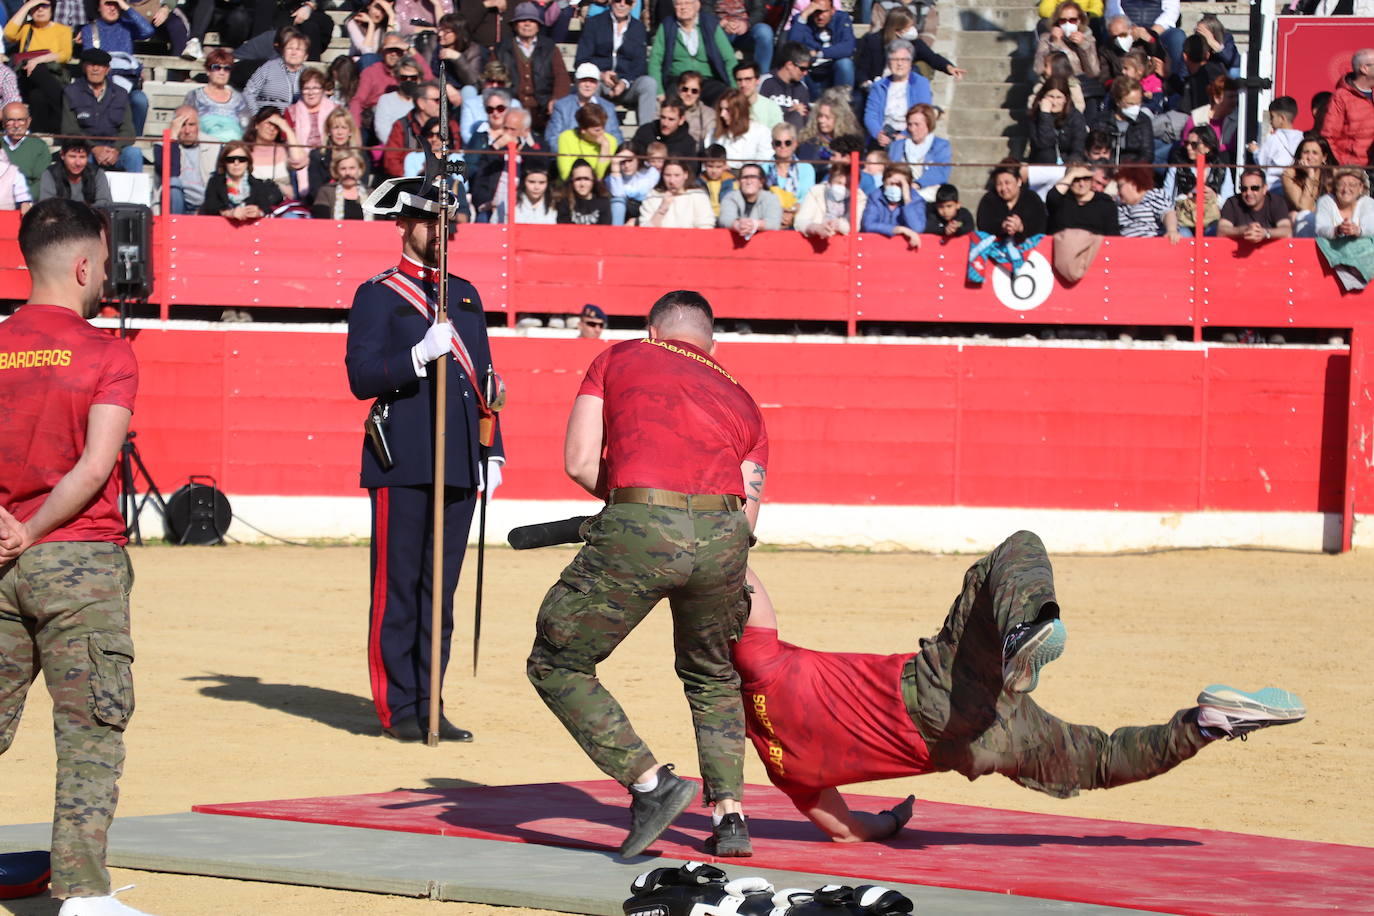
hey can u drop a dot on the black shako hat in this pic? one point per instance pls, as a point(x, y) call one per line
point(407, 198)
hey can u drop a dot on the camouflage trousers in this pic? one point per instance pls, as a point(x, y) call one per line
point(64, 610)
point(635, 556)
point(953, 690)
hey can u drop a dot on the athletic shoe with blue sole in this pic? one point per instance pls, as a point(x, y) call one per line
point(1027, 649)
point(1232, 713)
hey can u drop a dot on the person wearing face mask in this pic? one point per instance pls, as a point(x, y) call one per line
point(870, 56)
point(898, 211)
point(824, 211)
point(1069, 33)
point(1117, 43)
point(1127, 122)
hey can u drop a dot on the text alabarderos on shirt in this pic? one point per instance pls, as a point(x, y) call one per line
point(34, 359)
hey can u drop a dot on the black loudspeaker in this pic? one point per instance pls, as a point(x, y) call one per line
point(131, 252)
point(198, 513)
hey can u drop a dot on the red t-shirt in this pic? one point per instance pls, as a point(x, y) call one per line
point(53, 367)
point(825, 719)
point(674, 419)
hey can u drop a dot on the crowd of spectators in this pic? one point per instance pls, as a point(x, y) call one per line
point(746, 113)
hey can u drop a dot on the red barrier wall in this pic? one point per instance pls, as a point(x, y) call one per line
point(1312, 53)
point(1219, 428)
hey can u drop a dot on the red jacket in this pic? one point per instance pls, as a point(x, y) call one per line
point(1349, 124)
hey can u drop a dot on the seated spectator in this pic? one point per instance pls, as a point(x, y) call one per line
point(743, 23)
point(406, 134)
point(891, 97)
point(692, 42)
point(898, 210)
point(1116, 44)
point(277, 155)
point(786, 86)
point(750, 208)
point(1011, 211)
point(830, 118)
point(532, 201)
point(193, 162)
point(1142, 68)
point(584, 201)
point(1348, 120)
point(1348, 211)
point(824, 211)
point(743, 140)
point(671, 130)
point(367, 26)
point(761, 109)
point(1127, 123)
point(343, 197)
point(341, 136)
point(75, 177)
point(456, 61)
point(928, 155)
point(1069, 33)
point(618, 46)
point(1254, 215)
point(1046, 9)
point(585, 83)
point(474, 113)
point(223, 111)
point(98, 109)
point(233, 193)
point(786, 177)
point(9, 87)
point(381, 77)
point(1220, 115)
point(629, 184)
point(1181, 182)
point(945, 217)
point(700, 117)
point(394, 105)
point(277, 82)
point(44, 47)
point(28, 153)
point(484, 20)
point(587, 142)
point(829, 33)
point(486, 171)
point(1057, 135)
point(591, 322)
point(676, 205)
point(870, 56)
point(534, 63)
point(1057, 66)
point(1142, 210)
point(1189, 85)
point(1073, 204)
point(307, 115)
point(716, 177)
point(417, 161)
point(115, 29)
point(1219, 42)
point(1281, 146)
point(14, 189)
point(925, 17)
point(1153, 25)
point(1306, 180)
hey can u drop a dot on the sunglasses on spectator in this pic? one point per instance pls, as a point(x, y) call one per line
point(393, 50)
point(623, 2)
point(803, 67)
point(1252, 187)
point(591, 323)
point(780, 143)
point(220, 67)
point(228, 159)
point(409, 78)
point(495, 109)
point(1078, 178)
point(688, 90)
point(1069, 20)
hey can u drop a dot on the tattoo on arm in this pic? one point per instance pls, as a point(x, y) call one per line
point(753, 486)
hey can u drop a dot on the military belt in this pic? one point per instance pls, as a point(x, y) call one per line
point(703, 502)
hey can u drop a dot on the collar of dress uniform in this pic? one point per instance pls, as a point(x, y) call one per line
point(417, 271)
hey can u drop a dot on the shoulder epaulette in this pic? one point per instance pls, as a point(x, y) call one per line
point(383, 275)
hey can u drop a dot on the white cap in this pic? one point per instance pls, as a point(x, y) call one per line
point(587, 71)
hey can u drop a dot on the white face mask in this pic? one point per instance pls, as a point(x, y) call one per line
point(838, 192)
point(1130, 112)
point(1069, 28)
point(1124, 42)
point(910, 34)
point(892, 193)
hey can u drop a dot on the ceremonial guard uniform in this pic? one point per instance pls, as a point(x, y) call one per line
point(391, 313)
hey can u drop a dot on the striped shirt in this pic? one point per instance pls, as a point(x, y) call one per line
point(1144, 219)
point(273, 84)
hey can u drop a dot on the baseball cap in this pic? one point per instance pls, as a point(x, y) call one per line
point(527, 11)
point(593, 311)
point(95, 56)
point(587, 71)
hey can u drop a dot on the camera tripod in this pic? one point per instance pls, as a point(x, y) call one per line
point(131, 505)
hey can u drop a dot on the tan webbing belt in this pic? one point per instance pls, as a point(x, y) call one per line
point(704, 502)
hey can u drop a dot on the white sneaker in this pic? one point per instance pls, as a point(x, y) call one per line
point(193, 50)
point(99, 906)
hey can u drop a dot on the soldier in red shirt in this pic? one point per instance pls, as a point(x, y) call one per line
point(825, 719)
point(677, 448)
point(68, 393)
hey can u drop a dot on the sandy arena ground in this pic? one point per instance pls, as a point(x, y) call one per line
point(252, 684)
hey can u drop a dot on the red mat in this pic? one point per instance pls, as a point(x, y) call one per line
point(1112, 863)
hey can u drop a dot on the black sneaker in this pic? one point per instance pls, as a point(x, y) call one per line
point(1027, 648)
point(651, 812)
point(730, 838)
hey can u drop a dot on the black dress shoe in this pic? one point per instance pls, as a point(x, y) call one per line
point(407, 729)
point(447, 731)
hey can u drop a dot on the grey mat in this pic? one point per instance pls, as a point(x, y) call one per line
point(446, 868)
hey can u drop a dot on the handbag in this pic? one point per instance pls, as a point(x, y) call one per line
point(1186, 207)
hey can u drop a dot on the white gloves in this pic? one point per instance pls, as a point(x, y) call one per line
point(437, 341)
point(492, 474)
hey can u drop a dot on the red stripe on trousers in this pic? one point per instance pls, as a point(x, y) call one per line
point(376, 669)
